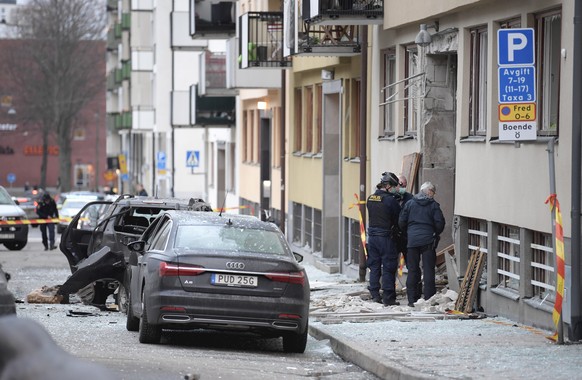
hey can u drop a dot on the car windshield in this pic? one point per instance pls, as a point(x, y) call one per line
point(213, 237)
point(5, 198)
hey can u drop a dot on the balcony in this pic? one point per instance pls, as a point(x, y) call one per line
point(212, 20)
point(329, 40)
point(212, 111)
point(237, 78)
point(112, 5)
point(112, 83)
point(123, 120)
point(112, 40)
point(261, 41)
point(213, 75)
point(142, 60)
point(181, 39)
point(126, 21)
point(344, 12)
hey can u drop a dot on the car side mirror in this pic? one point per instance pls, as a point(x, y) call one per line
point(298, 257)
point(16, 201)
point(137, 246)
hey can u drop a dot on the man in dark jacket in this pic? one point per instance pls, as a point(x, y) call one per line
point(423, 221)
point(47, 208)
point(383, 209)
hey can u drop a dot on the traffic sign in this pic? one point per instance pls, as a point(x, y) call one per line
point(161, 161)
point(192, 158)
point(518, 130)
point(11, 178)
point(515, 46)
point(517, 112)
point(517, 84)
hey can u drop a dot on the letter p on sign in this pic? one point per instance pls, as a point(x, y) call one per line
point(515, 47)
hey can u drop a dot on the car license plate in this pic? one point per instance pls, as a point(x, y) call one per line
point(234, 280)
point(6, 236)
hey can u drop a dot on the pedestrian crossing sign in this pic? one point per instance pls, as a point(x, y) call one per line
point(192, 158)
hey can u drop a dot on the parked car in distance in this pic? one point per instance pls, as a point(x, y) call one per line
point(13, 236)
point(110, 224)
point(28, 202)
point(193, 270)
point(72, 204)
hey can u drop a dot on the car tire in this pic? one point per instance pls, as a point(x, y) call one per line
point(295, 343)
point(132, 322)
point(15, 245)
point(148, 333)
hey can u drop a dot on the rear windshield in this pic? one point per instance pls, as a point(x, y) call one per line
point(228, 238)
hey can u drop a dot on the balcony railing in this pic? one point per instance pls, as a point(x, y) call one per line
point(123, 120)
point(210, 19)
point(261, 42)
point(208, 111)
point(329, 40)
point(345, 12)
point(112, 40)
point(126, 21)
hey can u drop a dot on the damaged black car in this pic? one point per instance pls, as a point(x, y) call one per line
point(95, 244)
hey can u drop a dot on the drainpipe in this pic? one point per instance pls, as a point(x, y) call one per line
point(363, 138)
point(282, 149)
point(574, 297)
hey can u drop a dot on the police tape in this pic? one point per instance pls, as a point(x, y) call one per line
point(34, 221)
point(560, 264)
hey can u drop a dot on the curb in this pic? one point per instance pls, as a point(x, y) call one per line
point(369, 361)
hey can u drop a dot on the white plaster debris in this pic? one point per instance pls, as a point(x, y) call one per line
point(347, 295)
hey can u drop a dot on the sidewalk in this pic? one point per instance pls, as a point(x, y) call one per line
point(400, 342)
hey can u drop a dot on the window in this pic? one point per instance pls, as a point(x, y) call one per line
point(355, 124)
point(308, 119)
point(508, 245)
point(297, 141)
point(543, 280)
point(159, 241)
point(389, 93)
point(297, 219)
point(317, 230)
point(307, 226)
point(245, 136)
point(412, 92)
point(276, 142)
point(319, 118)
point(478, 82)
point(548, 34)
point(79, 134)
point(352, 241)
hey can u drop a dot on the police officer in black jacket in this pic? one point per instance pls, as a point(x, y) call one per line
point(47, 208)
point(383, 209)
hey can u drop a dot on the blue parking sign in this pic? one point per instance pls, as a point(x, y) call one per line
point(515, 47)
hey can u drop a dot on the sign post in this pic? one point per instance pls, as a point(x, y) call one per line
point(517, 84)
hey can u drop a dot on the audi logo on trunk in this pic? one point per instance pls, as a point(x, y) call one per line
point(235, 265)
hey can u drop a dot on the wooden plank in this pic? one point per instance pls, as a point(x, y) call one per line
point(410, 165)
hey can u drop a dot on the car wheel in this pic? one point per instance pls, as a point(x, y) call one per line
point(132, 322)
point(148, 333)
point(94, 294)
point(122, 298)
point(15, 245)
point(296, 343)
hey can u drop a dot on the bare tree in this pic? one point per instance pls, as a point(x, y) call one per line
point(53, 66)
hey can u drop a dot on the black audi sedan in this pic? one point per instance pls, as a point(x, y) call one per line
point(193, 270)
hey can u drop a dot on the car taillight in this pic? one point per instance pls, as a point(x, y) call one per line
point(290, 277)
point(167, 269)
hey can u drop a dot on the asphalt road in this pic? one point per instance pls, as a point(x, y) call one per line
point(100, 336)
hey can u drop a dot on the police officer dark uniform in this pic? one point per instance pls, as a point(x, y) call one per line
point(383, 209)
